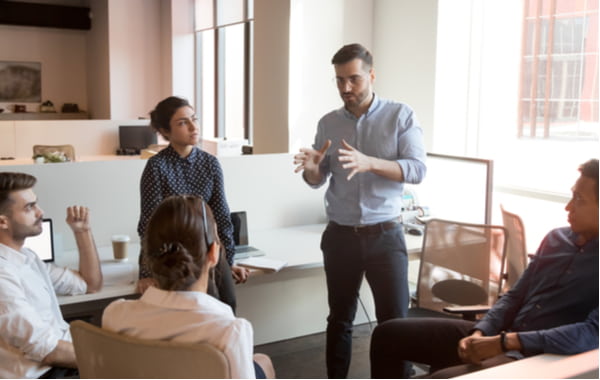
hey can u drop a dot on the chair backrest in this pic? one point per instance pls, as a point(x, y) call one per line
point(516, 249)
point(67, 149)
point(461, 264)
point(103, 354)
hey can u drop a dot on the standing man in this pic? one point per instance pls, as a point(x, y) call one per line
point(368, 149)
point(34, 338)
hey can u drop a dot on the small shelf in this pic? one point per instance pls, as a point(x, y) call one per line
point(44, 116)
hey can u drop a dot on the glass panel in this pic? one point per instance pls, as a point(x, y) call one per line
point(230, 11)
point(530, 25)
point(568, 35)
point(234, 81)
point(206, 83)
point(250, 9)
point(543, 36)
point(526, 85)
point(204, 14)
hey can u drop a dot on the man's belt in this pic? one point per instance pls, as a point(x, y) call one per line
point(369, 229)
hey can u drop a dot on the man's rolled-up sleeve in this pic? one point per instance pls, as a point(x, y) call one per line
point(66, 281)
point(411, 147)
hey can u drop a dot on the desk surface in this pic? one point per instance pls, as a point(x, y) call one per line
point(29, 160)
point(544, 366)
point(299, 246)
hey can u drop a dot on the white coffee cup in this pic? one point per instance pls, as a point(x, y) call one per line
point(119, 244)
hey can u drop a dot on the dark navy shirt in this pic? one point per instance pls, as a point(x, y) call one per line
point(554, 305)
point(198, 174)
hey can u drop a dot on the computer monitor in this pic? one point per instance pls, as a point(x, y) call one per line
point(134, 138)
point(43, 244)
point(240, 227)
point(457, 188)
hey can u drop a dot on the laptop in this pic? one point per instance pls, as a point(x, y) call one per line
point(240, 236)
point(43, 244)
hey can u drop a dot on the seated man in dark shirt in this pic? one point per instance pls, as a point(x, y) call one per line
point(553, 308)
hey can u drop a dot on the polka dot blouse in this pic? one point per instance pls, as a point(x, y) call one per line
point(198, 174)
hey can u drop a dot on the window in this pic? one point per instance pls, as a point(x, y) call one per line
point(559, 69)
point(223, 71)
point(525, 96)
point(517, 82)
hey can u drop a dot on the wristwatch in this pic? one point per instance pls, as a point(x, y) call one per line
point(503, 341)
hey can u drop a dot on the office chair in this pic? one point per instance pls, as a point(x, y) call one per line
point(516, 250)
point(105, 354)
point(45, 150)
point(460, 269)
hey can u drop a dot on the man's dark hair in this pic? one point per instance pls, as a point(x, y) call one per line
point(10, 182)
point(350, 52)
point(590, 170)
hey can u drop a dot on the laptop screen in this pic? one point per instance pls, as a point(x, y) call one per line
point(240, 227)
point(42, 244)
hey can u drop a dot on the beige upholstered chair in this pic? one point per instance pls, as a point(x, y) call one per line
point(102, 354)
point(68, 150)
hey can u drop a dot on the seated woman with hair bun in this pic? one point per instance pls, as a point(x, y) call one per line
point(182, 247)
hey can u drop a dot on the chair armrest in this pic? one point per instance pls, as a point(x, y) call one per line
point(468, 312)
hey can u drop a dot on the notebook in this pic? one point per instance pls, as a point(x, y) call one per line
point(43, 244)
point(240, 237)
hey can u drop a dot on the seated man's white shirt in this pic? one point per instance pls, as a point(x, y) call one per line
point(31, 323)
point(191, 317)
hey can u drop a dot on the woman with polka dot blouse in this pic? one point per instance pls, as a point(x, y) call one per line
point(184, 169)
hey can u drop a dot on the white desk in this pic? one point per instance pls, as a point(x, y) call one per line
point(289, 303)
point(545, 366)
point(299, 246)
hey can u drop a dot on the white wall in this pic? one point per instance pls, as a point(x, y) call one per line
point(317, 30)
point(404, 35)
point(62, 53)
point(401, 34)
point(263, 185)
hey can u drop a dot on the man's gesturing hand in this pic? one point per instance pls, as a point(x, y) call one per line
point(78, 218)
point(309, 159)
point(354, 160)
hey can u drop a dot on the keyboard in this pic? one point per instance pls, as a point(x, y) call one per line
point(245, 251)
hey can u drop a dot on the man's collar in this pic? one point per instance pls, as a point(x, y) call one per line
point(12, 255)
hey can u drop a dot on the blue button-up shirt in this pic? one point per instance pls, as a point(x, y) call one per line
point(388, 130)
point(554, 305)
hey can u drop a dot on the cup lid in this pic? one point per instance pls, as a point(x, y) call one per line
point(120, 238)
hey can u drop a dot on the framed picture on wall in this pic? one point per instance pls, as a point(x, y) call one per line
point(20, 82)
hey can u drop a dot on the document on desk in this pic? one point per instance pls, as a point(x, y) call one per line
point(263, 263)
